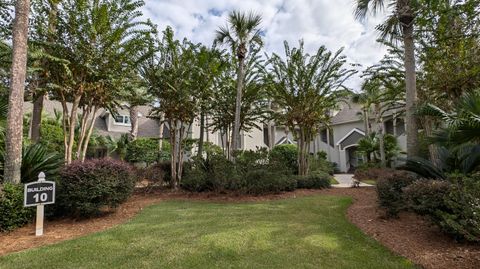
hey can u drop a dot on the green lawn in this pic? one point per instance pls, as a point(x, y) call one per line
point(307, 232)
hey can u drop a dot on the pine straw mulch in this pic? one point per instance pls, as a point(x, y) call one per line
point(409, 235)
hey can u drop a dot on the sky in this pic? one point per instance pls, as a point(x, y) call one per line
point(317, 22)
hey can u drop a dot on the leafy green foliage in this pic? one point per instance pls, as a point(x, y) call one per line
point(390, 191)
point(426, 197)
point(12, 212)
point(52, 136)
point(262, 181)
point(142, 150)
point(84, 189)
point(305, 87)
point(316, 180)
point(320, 165)
point(36, 159)
point(287, 155)
point(462, 216)
point(215, 173)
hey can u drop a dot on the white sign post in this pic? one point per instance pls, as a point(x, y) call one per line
point(40, 211)
point(39, 194)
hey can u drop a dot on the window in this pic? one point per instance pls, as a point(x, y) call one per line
point(330, 138)
point(324, 136)
point(122, 120)
point(389, 127)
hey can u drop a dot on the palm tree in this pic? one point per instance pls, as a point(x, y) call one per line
point(241, 32)
point(399, 23)
point(13, 157)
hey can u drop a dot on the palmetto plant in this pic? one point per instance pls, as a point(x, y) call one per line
point(241, 32)
point(458, 139)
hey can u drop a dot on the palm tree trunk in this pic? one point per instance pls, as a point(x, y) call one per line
point(133, 122)
point(37, 117)
point(411, 91)
point(13, 153)
point(238, 105)
point(428, 126)
point(380, 133)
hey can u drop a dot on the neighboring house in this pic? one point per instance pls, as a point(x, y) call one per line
point(107, 124)
point(346, 129)
point(339, 142)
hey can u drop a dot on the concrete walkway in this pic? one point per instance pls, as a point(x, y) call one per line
point(346, 181)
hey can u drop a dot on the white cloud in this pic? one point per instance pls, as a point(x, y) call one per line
point(317, 22)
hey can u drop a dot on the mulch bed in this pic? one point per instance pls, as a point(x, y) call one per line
point(409, 235)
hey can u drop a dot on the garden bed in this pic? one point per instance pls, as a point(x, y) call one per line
point(409, 236)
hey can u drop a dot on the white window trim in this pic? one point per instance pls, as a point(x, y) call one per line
point(349, 133)
point(121, 124)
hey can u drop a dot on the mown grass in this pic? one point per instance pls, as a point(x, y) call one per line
point(307, 232)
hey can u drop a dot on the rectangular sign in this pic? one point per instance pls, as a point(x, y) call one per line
point(39, 193)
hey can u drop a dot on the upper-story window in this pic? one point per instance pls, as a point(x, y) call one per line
point(122, 120)
point(324, 136)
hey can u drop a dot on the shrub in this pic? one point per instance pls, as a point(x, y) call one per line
point(142, 150)
point(263, 181)
point(86, 188)
point(155, 174)
point(215, 173)
point(371, 172)
point(321, 165)
point(461, 218)
point(286, 156)
point(317, 180)
point(12, 212)
point(425, 197)
point(195, 179)
point(389, 190)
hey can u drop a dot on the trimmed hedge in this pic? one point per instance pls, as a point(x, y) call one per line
point(317, 180)
point(262, 181)
point(287, 156)
point(425, 197)
point(84, 189)
point(390, 191)
point(12, 212)
point(461, 218)
point(142, 150)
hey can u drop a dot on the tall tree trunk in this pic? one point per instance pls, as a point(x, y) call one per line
point(13, 152)
point(380, 133)
point(133, 122)
point(160, 130)
point(37, 117)
point(411, 91)
point(202, 134)
point(428, 125)
point(71, 128)
point(39, 96)
point(238, 105)
point(89, 135)
point(366, 121)
point(173, 155)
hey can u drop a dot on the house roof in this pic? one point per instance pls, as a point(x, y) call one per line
point(351, 112)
